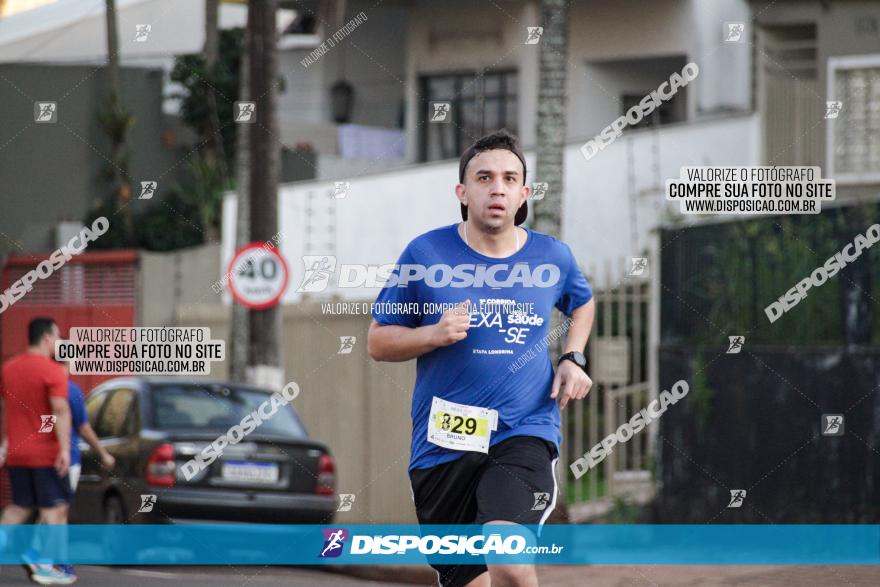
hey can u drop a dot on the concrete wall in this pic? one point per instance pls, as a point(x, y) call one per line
point(725, 68)
point(180, 277)
point(605, 82)
point(55, 168)
point(614, 200)
point(620, 30)
point(359, 408)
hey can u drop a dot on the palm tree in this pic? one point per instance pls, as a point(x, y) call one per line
point(553, 72)
point(116, 122)
point(551, 113)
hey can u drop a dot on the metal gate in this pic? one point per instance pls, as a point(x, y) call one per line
point(92, 289)
point(618, 365)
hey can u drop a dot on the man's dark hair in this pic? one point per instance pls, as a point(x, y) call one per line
point(501, 139)
point(37, 328)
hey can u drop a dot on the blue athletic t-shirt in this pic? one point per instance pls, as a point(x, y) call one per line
point(504, 362)
point(78, 417)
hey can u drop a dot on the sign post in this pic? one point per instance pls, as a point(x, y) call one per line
point(258, 276)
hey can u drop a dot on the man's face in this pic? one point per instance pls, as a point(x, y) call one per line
point(493, 188)
point(50, 338)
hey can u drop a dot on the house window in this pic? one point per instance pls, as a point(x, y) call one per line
point(854, 136)
point(668, 112)
point(479, 104)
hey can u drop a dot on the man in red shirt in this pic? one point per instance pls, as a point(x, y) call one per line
point(36, 429)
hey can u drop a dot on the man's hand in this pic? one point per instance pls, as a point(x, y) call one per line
point(62, 462)
point(4, 448)
point(573, 383)
point(107, 460)
point(453, 325)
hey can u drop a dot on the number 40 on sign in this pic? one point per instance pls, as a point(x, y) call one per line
point(258, 276)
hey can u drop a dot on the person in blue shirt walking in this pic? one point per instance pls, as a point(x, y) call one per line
point(473, 302)
point(79, 427)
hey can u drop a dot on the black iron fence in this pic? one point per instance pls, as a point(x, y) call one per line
point(753, 420)
point(718, 279)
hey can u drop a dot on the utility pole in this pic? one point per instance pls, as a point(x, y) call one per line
point(265, 325)
point(239, 333)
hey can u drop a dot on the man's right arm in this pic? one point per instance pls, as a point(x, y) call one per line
point(88, 434)
point(388, 342)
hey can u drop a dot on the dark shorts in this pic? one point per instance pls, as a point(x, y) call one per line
point(514, 482)
point(40, 487)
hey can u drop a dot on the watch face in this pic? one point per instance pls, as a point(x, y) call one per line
point(578, 358)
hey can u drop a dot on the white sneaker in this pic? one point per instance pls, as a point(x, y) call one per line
point(51, 575)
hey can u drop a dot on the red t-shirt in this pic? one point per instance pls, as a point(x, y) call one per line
point(28, 381)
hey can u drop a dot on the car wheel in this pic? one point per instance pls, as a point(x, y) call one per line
point(114, 510)
point(114, 513)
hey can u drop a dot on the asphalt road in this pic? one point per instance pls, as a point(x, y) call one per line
point(549, 576)
point(228, 576)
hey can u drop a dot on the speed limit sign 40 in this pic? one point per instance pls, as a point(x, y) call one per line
point(257, 276)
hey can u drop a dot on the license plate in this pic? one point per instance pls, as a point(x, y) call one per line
point(250, 472)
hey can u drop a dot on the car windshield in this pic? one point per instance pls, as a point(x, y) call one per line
point(194, 407)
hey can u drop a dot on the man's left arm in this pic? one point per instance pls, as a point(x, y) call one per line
point(571, 382)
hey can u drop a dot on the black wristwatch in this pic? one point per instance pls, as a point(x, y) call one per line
point(575, 357)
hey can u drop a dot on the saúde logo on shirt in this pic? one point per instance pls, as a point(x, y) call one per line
point(512, 320)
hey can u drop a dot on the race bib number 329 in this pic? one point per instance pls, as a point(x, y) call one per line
point(461, 427)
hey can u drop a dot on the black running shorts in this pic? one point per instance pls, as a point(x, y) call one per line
point(514, 482)
point(39, 487)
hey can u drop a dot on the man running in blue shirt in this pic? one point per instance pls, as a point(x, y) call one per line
point(486, 405)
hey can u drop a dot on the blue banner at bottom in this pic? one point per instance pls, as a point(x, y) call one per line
point(276, 544)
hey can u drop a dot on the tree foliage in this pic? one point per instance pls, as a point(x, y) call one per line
point(188, 213)
point(223, 80)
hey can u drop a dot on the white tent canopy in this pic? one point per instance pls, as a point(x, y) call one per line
point(74, 31)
